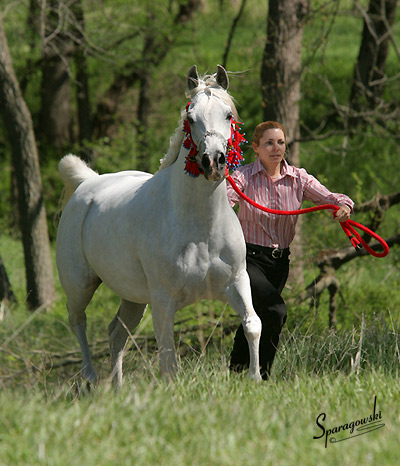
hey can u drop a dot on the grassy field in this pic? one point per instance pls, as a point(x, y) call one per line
point(208, 416)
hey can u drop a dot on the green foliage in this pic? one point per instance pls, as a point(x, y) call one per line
point(116, 32)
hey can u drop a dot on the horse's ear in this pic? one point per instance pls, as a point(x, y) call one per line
point(222, 77)
point(192, 78)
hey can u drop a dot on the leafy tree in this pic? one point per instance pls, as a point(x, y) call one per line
point(156, 30)
point(33, 222)
point(369, 72)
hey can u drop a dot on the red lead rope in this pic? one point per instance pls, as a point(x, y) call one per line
point(347, 226)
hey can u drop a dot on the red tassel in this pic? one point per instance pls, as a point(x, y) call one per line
point(235, 157)
point(187, 144)
point(192, 167)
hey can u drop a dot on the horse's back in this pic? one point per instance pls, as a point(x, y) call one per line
point(107, 191)
point(111, 186)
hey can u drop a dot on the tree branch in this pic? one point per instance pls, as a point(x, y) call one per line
point(134, 71)
point(232, 32)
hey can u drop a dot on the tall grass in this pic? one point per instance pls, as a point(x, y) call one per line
point(209, 415)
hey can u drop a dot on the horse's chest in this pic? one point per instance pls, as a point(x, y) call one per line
point(202, 269)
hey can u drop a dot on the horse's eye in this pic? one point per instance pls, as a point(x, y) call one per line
point(229, 116)
point(190, 119)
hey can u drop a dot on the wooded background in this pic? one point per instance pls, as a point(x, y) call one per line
point(105, 79)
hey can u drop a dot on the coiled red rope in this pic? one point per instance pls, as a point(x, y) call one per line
point(348, 226)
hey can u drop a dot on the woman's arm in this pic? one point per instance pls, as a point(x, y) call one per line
point(317, 193)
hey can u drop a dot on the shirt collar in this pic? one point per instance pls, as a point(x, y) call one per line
point(287, 170)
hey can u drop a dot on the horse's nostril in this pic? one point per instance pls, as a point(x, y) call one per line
point(205, 161)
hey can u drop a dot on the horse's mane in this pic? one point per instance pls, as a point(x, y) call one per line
point(209, 83)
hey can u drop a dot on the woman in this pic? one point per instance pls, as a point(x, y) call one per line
point(271, 182)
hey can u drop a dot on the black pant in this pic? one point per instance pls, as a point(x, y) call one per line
point(267, 280)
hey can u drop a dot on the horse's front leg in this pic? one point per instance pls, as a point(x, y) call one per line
point(239, 297)
point(163, 313)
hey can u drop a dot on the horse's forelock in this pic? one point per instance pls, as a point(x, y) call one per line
point(209, 83)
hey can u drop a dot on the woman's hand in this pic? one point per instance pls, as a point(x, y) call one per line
point(342, 214)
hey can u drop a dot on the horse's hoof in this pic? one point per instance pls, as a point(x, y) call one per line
point(83, 388)
point(256, 377)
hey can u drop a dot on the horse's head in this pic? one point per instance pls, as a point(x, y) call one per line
point(209, 124)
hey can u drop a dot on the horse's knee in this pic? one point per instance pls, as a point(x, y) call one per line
point(252, 327)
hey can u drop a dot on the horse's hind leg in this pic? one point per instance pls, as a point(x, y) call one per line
point(78, 297)
point(127, 318)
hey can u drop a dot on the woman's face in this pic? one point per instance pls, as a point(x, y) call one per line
point(271, 148)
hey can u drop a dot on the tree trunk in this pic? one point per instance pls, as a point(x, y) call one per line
point(280, 84)
point(232, 33)
point(6, 292)
point(18, 123)
point(85, 124)
point(143, 113)
point(144, 106)
point(369, 71)
point(55, 112)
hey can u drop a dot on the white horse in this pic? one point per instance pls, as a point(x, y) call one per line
point(168, 239)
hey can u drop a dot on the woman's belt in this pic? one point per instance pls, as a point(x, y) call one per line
point(275, 253)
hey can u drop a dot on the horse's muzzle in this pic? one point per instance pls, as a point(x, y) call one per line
point(213, 160)
point(214, 165)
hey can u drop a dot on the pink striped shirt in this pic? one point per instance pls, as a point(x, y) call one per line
point(284, 193)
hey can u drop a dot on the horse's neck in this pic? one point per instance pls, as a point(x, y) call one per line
point(196, 197)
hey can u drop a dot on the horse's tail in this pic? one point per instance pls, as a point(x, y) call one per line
point(73, 172)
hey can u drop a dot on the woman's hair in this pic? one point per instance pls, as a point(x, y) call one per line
point(262, 127)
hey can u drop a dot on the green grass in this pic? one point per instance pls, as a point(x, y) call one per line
point(208, 416)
